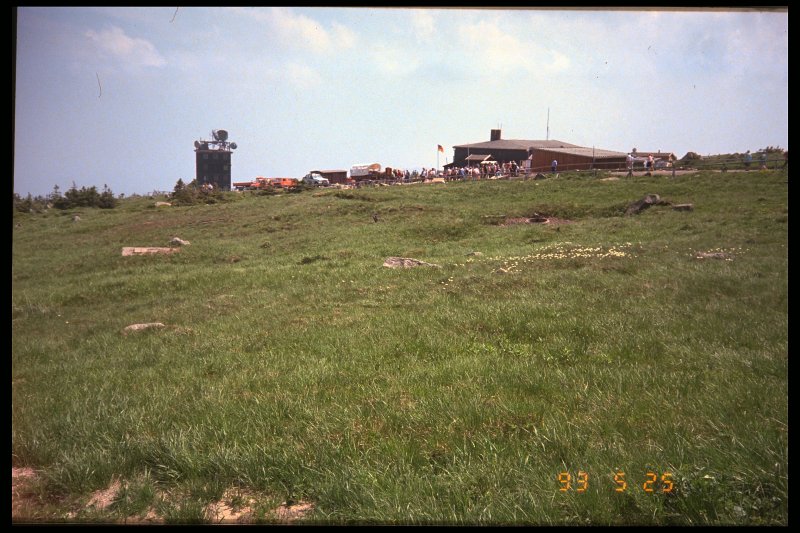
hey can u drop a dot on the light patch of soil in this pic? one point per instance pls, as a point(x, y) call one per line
point(103, 498)
point(290, 513)
point(150, 518)
point(21, 495)
point(224, 511)
point(235, 507)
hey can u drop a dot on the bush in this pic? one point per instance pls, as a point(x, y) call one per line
point(83, 197)
point(193, 194)
point(29, 204)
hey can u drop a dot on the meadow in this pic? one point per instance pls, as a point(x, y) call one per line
point(590, 370)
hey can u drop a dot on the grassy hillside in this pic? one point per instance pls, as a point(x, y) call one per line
point(293, 368)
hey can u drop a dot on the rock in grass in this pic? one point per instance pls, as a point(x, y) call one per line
point(147, 250)
point(140, 327)
point(406, 262)
point(713, 255)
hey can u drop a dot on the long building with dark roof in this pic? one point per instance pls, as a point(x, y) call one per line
point(540, 154)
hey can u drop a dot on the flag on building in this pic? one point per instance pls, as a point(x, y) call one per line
point(440, 148)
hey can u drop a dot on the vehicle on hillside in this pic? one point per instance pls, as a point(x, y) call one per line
point(262, 183)
point(315, 179)
point(365, 172)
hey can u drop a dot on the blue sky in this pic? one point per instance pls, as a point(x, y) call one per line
point(117, 96)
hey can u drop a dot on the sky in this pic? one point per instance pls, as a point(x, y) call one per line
point(117, 96)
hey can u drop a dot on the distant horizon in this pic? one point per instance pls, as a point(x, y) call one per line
point(118, 95)
point(171, 188)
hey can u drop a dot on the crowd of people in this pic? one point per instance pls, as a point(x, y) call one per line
point(482, 171)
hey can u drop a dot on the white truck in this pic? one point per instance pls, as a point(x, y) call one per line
point(362, 172)
point(315, 179)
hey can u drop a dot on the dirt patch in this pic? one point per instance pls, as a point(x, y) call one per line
point(235, 507)
point(103, 498)
point(22, 497)
point(289, 512)
point(150, 518)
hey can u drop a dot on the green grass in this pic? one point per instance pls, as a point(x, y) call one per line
point(294, 366)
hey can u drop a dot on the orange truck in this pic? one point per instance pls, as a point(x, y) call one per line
point(262, 183)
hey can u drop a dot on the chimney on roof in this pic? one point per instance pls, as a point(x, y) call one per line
point(495, 135)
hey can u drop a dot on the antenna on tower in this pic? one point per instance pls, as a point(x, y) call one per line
point(548, 124)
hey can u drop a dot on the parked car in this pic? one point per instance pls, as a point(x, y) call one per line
point(315, 179)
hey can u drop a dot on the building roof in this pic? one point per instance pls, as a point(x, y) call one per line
point(656, 154)
point(597, 153)
point(478, 157)
point(516, 144)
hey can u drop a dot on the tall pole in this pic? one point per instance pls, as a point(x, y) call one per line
point(548, 124)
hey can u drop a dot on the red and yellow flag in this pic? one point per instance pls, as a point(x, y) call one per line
point(440, 148)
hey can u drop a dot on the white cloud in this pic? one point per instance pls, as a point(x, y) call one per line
point(754, 44)
point(343, 37)
point(423, 23)
point(393, 61)
point(133, 51)
point(302, 76)
point(497, 50)
point(302, 31)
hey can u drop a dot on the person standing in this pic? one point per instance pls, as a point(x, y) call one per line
point(651, 165)
point(629, 165)
point(554, 166)
point(748, 158)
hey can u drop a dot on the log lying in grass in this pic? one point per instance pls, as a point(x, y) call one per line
point(640, 205)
